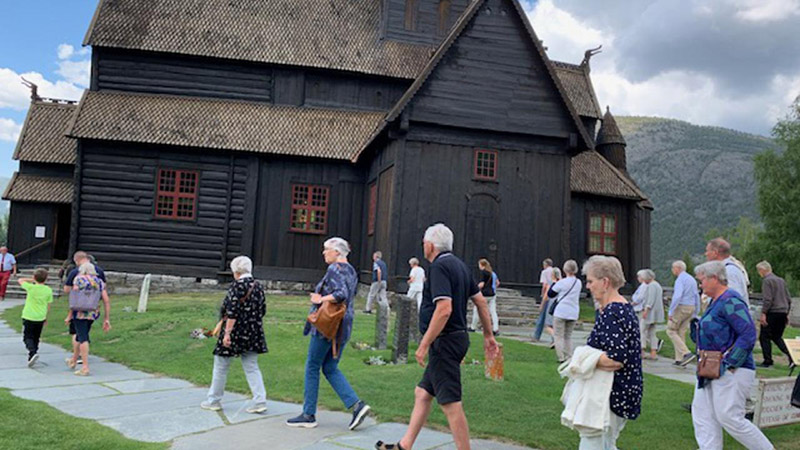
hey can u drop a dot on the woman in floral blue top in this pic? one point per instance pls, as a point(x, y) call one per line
point(725, 327)
point(616, 333)
point(338, 285)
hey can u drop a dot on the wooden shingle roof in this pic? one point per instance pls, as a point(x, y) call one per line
point(223, 124)
point(43, 138)
point(578, 86)
point(590, 173)
point(330, 34)
point(609, 132)
point(31, 188)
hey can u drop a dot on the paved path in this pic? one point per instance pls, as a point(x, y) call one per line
point(662, 367)
point(150, 408)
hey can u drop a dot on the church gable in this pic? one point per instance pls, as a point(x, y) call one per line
point(492, 77)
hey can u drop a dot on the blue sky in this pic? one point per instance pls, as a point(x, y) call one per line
point(30, 36)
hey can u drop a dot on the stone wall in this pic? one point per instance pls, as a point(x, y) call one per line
point(121, 283)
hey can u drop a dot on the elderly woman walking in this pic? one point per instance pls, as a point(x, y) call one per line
point(337, 286)
point(616, 333)
point(565, 294)
point(652, 313)
point(719, 398)
point(242, 335)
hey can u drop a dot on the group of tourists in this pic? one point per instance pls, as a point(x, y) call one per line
point(607, 369)
point(85, 285)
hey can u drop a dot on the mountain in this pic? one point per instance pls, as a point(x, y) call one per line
point(698, 178)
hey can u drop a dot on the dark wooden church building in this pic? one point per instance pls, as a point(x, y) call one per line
point(217, 128)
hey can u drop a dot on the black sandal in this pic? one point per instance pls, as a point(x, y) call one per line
point(380, 445)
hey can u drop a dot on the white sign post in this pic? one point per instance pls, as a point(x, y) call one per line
point(144, 294)
point(774, 403)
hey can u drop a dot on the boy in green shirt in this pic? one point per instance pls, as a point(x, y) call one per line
point(34, 315)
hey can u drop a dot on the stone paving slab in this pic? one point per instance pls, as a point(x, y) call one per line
point(148, 385)
point(136, 404)
point(235, 411)
point(165, 425)
point(19, 359)
point(17, 347)
point(65, 393)
point(389, 432)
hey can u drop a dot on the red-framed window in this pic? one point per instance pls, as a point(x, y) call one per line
point(373, 207)
point(309, 208)
point(602, 234)
point(176, 196)
point(485, 165)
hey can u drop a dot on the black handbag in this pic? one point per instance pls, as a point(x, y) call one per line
point(796, 393)
point(552, 309)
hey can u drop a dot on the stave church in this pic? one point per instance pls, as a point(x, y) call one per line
point(214, 128)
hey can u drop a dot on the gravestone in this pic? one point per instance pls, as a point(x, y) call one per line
point(402, 330)
point(413, 323)
point(794, 313)
point(382, 325)
point(144, 294)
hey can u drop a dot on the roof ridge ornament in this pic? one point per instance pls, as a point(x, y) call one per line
point(587, 55)
point(34, 89)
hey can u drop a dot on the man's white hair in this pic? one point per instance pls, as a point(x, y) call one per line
point(340, 245)
point(87, 268)
point(714, 269)
point(765, 266)
point(242, 265)
point(570, 267)
point(680, 265)
point(440, 236)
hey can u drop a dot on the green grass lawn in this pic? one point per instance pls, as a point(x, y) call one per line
point(31, 425)
point(524, 408)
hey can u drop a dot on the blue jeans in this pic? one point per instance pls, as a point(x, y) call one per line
point(320, 356)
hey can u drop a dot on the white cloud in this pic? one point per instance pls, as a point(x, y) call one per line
point(767, 10)
point(14, 95)
point(75, 72)
point(65, 51)
point(680, 93)
point(9, 130)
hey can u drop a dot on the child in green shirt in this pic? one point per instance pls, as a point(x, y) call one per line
point(34, 314)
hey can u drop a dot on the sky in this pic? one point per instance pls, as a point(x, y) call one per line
point(728, 63)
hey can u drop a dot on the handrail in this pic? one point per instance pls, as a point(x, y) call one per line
point(35, 247)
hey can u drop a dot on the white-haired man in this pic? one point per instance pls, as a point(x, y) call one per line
point(720, 250)
point(684, 306)
point(443, 323)
point(378, 287)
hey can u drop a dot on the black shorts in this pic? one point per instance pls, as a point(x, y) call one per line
point(82, 328)
point(442, 377)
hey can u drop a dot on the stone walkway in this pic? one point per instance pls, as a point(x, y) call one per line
point(662, 367)
point(150, 408)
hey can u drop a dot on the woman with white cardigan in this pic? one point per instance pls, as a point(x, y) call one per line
point(616, 333)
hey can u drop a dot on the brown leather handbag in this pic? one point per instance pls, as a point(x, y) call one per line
point(327, 319)
point(709, 363)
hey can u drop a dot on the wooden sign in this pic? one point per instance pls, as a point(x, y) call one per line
point(774, 403)
point(794, 348)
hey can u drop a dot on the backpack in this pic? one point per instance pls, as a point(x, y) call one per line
point(86, 299)
point(494, 283)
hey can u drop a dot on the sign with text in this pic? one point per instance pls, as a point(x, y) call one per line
point(39, 232)
point(794, 348)
point(774, 403)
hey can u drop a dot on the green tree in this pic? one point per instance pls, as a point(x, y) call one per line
point(778, 179)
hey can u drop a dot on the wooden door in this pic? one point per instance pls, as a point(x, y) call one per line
point(384, 214)
point(482, 222)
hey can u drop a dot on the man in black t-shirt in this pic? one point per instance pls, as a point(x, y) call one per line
point(443, 322)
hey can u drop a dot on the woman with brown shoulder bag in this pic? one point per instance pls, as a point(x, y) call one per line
point(330, 323)
point(725, 337)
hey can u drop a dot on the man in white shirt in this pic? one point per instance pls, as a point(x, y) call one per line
point(8, 268)
point(546, 276)
point(720, 250)
point(416, 281)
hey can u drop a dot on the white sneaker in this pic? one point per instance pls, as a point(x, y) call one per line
point(32, 360)
point(256, 409)
point(211, 406)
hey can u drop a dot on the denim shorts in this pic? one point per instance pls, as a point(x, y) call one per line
point(81, 328)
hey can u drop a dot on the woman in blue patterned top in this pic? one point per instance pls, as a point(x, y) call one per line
point(338, 285)
point(726, 327)
point(616, 332)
